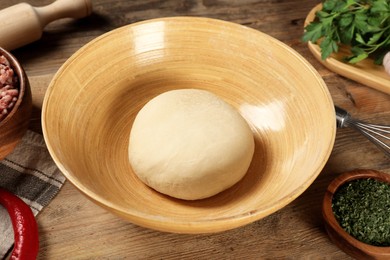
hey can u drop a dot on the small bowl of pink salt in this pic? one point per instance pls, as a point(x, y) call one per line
point(15, 102)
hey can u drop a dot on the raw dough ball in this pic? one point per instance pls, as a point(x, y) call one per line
point(190, 144)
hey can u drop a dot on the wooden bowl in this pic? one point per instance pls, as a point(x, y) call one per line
point(91, 103)
point(337, 234)
point(15, 124)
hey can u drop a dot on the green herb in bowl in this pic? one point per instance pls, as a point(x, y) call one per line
point(363, 25)
point(362, 208)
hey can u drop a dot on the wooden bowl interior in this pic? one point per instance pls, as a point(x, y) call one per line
point(338, 235)
point(15, 124)
point(92, 101)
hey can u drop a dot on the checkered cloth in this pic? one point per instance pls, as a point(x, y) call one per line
point(30, 173)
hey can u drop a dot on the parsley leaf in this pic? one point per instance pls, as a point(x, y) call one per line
point(363, 25)
point(314, 32)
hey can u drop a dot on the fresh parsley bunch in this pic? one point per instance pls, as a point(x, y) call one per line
point(364, 25)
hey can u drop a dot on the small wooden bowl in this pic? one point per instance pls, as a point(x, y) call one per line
point(14, 126)
point(337, 234)
point(93, 99)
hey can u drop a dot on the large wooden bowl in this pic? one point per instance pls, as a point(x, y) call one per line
point(91, 103)
point(14, 126)
point(337, 234)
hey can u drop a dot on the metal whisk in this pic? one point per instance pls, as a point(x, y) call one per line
point(378, 134)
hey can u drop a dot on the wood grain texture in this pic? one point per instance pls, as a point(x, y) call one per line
point(75, 228)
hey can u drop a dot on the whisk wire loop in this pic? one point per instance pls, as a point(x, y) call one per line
point(377, 134)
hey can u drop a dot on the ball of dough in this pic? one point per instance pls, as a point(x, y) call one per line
point(190, 144)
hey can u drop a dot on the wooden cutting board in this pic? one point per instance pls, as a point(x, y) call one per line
point(364, 72)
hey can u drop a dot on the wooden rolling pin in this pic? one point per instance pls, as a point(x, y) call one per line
point(22, 24)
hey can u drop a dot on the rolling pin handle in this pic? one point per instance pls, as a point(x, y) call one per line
point(23, 24)
point(63, 9)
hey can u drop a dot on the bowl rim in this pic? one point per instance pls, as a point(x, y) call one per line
point(330, 219)
point(135, 214)
point(22, 82)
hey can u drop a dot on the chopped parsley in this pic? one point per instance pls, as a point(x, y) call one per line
point(362, 208)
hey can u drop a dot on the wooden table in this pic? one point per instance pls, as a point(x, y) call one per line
point(72, 227)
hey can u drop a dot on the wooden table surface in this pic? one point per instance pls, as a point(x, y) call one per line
point(72, 227)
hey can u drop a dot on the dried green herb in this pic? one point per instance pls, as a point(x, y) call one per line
point(362, 208)
point(364, 25)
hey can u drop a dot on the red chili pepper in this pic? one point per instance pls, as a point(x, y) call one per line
point(26, 244)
